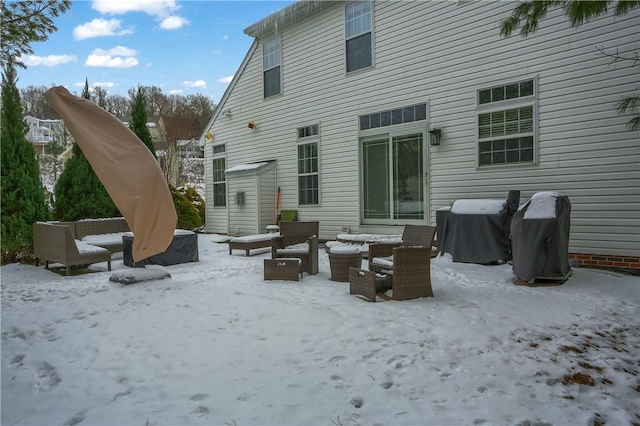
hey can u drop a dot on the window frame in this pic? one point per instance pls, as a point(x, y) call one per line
point(503, 106)
point(266, 69)
point(308, 140)
point(354, 36)
point(216, 157)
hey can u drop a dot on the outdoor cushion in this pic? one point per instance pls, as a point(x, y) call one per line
point(384, 262)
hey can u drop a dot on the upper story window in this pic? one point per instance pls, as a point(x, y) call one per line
point(507, 119)
point(271, 59)
point(358, 24)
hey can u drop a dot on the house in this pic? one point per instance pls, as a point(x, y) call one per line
point(375, 114)
point(42, 132)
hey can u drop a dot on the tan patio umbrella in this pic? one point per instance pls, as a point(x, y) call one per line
point(125, 166)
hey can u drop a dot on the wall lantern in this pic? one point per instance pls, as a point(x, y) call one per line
point(209, 136)
point(252, 125)
point(226, 112)
point(434, 136)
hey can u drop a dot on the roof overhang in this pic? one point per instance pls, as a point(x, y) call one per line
point(293, 13)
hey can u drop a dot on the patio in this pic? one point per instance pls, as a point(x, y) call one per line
point(217, 344)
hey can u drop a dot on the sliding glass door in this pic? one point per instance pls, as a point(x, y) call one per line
point(393, 190)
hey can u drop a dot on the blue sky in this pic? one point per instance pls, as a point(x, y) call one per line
point(183, 47)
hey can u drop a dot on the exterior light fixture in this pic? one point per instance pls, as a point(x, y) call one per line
point(252, 125)
point(226, 112)
point(434, 136)
point(209, 136)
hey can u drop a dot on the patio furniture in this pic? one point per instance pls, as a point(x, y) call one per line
point(287, 269)
point(299, 240)
point(183, 249)
point(408, 263)
point(540, 238)
point(288, 216)
point(56, 243)
point(341, 258)
point(366, 283)
point(251, 242)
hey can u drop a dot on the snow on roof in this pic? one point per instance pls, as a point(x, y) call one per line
point(542, 205)
point(246, 167)
point(478, 206)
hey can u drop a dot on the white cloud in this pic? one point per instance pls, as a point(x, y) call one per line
point(104, 84)
point(216, 52)
point(173, 23)
point(99, 28)
point(117, 57)
point(225, 79)
point(225, 38)
point(160, 9)
point(47, 61)
point(175, 92)
point(199, 84)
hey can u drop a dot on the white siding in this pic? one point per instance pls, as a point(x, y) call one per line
point(441, 53)
point(243, 218)
point(267, 195)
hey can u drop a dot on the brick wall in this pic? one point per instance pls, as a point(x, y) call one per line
point(606, 260)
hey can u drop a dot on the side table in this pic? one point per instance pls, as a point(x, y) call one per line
point(340, 262)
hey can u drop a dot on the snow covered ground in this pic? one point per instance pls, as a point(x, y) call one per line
point(216, 344)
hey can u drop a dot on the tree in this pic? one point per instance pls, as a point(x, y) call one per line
point(139, 120)
point(22, 196)
point(528, 14)
point(79, 194)
point(25, 22)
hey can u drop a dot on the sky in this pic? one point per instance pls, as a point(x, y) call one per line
point(183, 47)
point(216, 344)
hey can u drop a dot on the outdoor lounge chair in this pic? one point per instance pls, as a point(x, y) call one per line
point(298, 240)
point(408, 263)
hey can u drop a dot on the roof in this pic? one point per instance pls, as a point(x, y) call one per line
point(290, 14)
point(257, 167)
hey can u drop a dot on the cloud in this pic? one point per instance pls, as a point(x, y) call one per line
point(118, 57)
point(216, 52)
point(225, 79)
point(99, 28)
point(163, 11)
point(175, 92)
point(47, 61)
point(199, 84)
point(225, 37)
point(160, 9)
point(173, 23)
point(104, 84)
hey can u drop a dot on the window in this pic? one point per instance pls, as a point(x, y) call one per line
point(358, 35)
point(271, 67)
point(506, 124)
point(397, 116)
point(219, 182)
point(308, 175)
point(393, 178)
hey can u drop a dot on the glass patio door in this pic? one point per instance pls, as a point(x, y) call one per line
point(393, 179)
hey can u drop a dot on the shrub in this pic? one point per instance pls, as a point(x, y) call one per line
point(188, 216)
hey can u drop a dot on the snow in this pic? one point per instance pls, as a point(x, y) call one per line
point(542, 205)
point(255, 238)
point(216, 344)
point(340, 247)
point(86, 248)
point(478, 206)
point(370, 238)
point(104, 239)
point(245, 167)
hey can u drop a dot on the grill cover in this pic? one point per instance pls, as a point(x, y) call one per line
point(540, 238)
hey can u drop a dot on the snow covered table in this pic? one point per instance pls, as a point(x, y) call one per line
point(251, 242)
point(183, 249)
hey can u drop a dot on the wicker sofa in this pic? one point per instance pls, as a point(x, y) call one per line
point(298, 240)
point(78, 243)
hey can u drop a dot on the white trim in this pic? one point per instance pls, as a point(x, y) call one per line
point(356, 35)
point(306, 141)
point(279, 64)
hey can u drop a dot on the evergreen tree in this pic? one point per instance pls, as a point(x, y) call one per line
point(21, 194)
point(79, 194)
point(528, 14)
point(139, 119)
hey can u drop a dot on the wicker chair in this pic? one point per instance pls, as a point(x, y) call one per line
point(409, 263)
point(298, 240)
